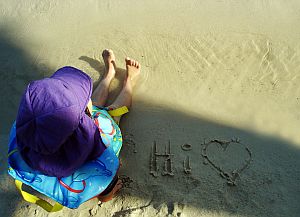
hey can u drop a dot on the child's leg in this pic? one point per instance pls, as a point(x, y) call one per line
point(123, 99)
point(110, 195)
point(133, 69)
point(100, 93)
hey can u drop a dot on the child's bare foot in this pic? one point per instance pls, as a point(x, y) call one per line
point(110, 65)
point(133, 70)
point(125, 97)
point(112, 193)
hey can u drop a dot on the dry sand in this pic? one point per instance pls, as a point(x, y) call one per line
point(212, 71)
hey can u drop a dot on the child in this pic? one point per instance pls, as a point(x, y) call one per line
point(56, 128)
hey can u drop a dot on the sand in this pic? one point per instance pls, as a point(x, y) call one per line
point(220, 84)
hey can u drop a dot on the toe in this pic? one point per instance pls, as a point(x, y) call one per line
point(110, 52)
point(118, 186)
point(127, 60)
point(105, 51)
point(119, 182)
point(105, 54)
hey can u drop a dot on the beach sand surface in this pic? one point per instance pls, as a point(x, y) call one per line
point(219, 86)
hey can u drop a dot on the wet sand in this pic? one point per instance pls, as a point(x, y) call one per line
point(220, 84)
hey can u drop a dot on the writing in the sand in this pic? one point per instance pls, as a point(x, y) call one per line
point(168, 160)
point(168, 168)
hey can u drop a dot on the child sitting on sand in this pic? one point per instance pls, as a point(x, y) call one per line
point(59, 122)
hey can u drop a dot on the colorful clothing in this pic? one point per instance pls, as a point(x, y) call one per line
point(90, 180)
point(109, 130)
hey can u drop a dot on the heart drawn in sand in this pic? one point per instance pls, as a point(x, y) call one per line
point(222, 149)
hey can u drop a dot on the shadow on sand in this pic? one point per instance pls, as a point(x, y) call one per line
point(269, 186)
point(17, 69)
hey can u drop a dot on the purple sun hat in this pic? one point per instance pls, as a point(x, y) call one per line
point(54, 135)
